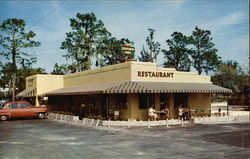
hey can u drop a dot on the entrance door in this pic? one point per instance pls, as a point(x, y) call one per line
point(180, 99)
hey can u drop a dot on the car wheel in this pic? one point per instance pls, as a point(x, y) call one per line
point(4, 117)
point(41, 115)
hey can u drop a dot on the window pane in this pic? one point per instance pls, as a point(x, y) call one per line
point(121, 101)
point(163, 100)
point(145, 100)
point(14, 106)
point(180, 99)
point(23, 105)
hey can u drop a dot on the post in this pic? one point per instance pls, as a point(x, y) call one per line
point(109, 123)
point(97, 122)
point(227, 105)
point(107, 105)
point(148, 123)
point(128, 123)
point(91, 122)
point(83, 122)
point(167, 122)
point(181, 121)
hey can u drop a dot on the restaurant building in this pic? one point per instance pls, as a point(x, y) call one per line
point(124, 91)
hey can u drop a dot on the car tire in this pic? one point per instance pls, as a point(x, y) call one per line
point(41, 115)
point(4, 117)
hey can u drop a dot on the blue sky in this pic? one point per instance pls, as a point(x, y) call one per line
point(227, 20)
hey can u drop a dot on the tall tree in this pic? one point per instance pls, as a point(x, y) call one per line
point(230, 75)
point(150, 54)
point(203, 51)
point(22, 73)
point(59, 69)
point(81, 43)
point(178, 53)
point(111, 51)
point(13, 39)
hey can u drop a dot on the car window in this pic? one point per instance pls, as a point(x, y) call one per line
point(24, 105)
point(14, 105)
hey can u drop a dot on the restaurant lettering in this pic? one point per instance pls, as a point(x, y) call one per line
point(155, 74)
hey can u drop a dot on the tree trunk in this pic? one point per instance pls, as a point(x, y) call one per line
point(13, 86)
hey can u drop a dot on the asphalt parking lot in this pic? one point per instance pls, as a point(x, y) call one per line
point(35, 139)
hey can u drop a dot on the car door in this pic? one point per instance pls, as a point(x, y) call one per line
point(26, 110)
point(14, 110)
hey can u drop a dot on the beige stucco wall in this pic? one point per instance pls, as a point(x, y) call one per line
point(128, 71)
point(134, 112)
point(178, 76)
point(46, 83)
point(31, 81)
point(200, 101)
point(114, 73)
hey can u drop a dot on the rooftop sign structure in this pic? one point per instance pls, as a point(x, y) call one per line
point(128, 49)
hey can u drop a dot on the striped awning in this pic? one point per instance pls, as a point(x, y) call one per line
point(28, 92)
point(166, 87)
point(141, 87)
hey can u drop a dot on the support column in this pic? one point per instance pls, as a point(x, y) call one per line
point(171, 105)
point(37, 101)
point(157, 102)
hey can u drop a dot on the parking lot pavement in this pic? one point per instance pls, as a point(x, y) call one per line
point(35, 139)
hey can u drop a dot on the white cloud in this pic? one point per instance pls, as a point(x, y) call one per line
point(229, 20)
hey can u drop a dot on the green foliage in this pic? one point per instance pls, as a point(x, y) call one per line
point(6, 80)
point(81, 43)
point(178, 54)
point(22, 73)
point(150, 54)
point(203, 51)
point(13, 39)
point(59, 69)
point(230, 75)
point(111, 51)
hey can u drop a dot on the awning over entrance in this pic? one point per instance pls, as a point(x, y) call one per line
point(141, 87)
point(166, 87)
point(28, 92)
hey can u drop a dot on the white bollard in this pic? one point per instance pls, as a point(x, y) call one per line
point(167, 122)
point(128, 123)
point(97, 122)
point(203, 120)
point(148, 123)
point(56, 116)
point(109, 123)
point(92, 121)
point(181, 121)
point(83, 122)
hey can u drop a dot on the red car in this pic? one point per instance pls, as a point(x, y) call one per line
point(19, 109)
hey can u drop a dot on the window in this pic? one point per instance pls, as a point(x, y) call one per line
point(121, 101)
point(13, 105)
point(145, 100)
point(163, 100)
point(24, 105)
point(181, 98)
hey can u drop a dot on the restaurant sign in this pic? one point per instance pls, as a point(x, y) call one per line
point(155, 74)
